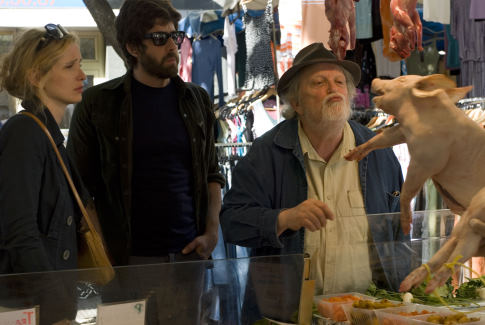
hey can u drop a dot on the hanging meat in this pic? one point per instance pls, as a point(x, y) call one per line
point(340, 13)
point(407, 30)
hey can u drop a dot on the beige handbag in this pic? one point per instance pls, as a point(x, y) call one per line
point(91, 250)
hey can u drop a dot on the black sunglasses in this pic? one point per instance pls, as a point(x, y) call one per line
point(52, 32)
point(161, 38)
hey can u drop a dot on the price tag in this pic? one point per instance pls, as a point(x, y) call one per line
point(20, 317)
point(127, 313)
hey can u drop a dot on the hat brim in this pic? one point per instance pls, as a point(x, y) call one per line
point(352, 67)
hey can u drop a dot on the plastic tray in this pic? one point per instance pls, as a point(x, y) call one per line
point(363, 316)
point(333, 309)
point(392, 316)
point(320, 320)
point(445, 312)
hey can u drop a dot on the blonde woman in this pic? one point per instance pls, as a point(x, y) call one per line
point(38, 215)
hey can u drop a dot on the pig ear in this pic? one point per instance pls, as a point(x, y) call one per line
point(426, 93)
point(456, 94)
point(435, 81)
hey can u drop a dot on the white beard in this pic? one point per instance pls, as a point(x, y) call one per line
point(335, 111)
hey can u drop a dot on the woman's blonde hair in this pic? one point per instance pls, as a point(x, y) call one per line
point(33, 55)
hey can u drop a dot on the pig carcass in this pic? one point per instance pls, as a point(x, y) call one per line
point(339, 13)
point(444, 145)
point(407, 30)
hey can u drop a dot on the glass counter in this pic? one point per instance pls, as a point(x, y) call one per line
point(230, 291)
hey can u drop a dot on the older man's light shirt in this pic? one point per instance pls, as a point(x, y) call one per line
point(340, 251)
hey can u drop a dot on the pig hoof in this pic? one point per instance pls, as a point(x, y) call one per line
point(413, 279)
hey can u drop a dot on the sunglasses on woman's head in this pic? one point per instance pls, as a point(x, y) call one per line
point(52, 32)
point(161, 38)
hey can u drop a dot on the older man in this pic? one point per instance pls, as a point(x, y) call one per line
point(294, 192)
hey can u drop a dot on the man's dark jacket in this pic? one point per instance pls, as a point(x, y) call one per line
point(100, 146)
point(272, 177)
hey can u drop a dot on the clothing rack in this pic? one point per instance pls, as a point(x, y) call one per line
point(471, 103)
point(235, 144)
point(242, 105)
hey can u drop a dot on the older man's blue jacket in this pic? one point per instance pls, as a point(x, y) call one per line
point(271, 177)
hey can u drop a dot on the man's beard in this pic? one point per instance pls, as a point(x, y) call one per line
point(159, 69)
point(335, 111)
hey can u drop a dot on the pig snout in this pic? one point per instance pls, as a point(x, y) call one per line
point(377, 86)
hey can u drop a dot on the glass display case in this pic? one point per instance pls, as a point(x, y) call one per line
point(231, 291)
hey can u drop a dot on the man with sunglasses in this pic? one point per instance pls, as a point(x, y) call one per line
point(144, 145)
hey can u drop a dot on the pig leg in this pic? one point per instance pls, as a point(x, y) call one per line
point(417, 276)
point(468, 241)
point(415, 179)
point(467, 245)
point(388, 138)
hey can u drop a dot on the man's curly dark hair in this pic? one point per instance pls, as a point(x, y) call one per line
point(136, 17)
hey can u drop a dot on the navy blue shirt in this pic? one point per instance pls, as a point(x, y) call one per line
point(162, 201)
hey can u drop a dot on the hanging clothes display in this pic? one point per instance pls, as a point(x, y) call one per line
point(363, 19)
point(477, 9)
point(207, 61)
point(230, 43)
point(426, 62)
point(185, 70)
point(385, 67)
point(470, 36)
point(315, 25)
point(437, 11)
point(290, 27)
point(452, 50)
point(259, 65)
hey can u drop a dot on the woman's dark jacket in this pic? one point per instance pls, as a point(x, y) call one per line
point(38, 215)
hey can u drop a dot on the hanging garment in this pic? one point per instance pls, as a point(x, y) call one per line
point(363, 19)
point(207, 60)
point(423, 63)
point(426, 62)
point(376, 20)
point(315, 25)
point(452, 50)
point(259, 66)
point(477, 9)
point(470, 36)
point(262, 120)
point(241, 58)
point(384, 67)
point(185, 70)
point(437, 11)
point(230, 42)
point(290, 26)
point(365, 58)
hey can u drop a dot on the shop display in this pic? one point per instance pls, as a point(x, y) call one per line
point(411, 110)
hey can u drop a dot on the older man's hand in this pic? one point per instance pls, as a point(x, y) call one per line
point(310, 214)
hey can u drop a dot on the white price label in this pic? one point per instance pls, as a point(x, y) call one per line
point(127, 313)
point(20, 317)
